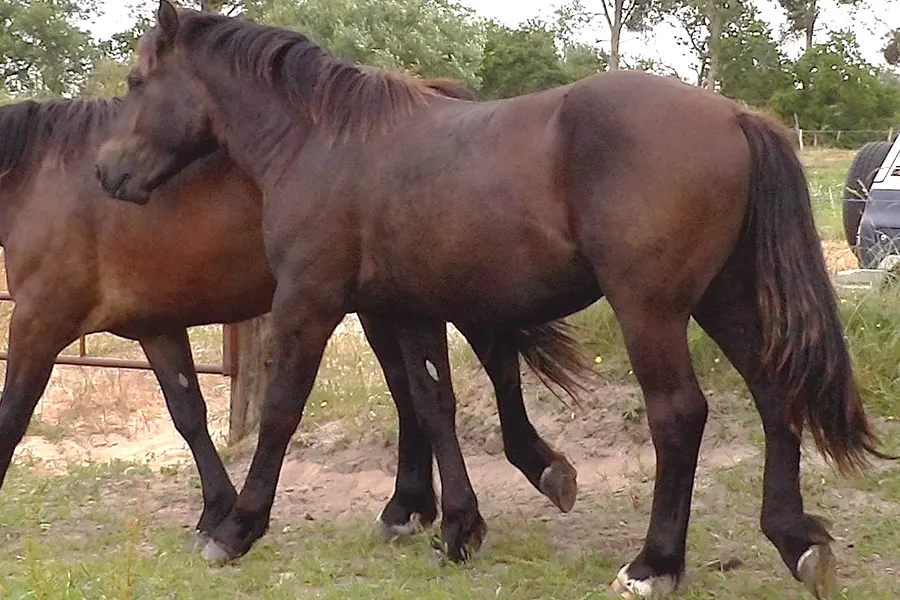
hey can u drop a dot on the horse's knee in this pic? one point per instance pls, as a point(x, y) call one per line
point(678, 415)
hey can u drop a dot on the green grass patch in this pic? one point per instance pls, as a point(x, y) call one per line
point(826, 171)
point(93, 533)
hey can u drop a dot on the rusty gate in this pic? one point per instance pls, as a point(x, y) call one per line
point(228, 367)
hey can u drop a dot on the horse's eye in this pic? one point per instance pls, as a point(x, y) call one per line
point(134, 81)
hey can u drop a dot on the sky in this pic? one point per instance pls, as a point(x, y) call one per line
point(660, 45)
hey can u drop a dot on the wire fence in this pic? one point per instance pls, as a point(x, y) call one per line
point(813, 138)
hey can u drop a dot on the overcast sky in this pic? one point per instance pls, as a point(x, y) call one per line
point(661, 45)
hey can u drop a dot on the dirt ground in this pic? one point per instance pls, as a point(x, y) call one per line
point(838, 256)
point(327, 477)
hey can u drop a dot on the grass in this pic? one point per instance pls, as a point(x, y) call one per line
point(94, 532)
point(115, 529)
point(826, 170)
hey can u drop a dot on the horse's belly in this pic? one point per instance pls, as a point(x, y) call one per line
point(484, 281)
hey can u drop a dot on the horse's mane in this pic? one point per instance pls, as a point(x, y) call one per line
point(345, 99)
point(60, 126)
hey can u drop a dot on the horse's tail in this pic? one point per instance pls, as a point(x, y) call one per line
point(551, 350)
point(803, 339)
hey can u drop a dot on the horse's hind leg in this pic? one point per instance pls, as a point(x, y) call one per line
point(424, 347)
point(547, 470)
point(169, 354)
point(34, 342)
point(414, 501)
point(656, 339)
point(729, 314)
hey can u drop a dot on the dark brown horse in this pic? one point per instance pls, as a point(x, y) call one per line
point(78, 262)
point(380, 195)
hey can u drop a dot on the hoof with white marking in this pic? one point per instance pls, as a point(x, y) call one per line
point(628, 589)
point(817, 570)
point(215, 554)
point(197, 541)
point(559, 483)
point(397, 531)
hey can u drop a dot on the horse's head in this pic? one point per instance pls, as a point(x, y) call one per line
point(165, 122)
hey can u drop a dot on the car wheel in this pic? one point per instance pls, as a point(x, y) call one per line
point(856, 186)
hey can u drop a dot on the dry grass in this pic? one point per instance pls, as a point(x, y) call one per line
point(818, 158)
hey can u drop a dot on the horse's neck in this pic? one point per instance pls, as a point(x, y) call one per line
point(261, 146)
point(12, 197)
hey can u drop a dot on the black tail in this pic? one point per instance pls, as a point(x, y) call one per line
point(551, 350)
point(803, 337)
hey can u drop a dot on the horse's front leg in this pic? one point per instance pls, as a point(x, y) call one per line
point(424, 347)
point(300, 330)
point(170, 356)
point(36, 336)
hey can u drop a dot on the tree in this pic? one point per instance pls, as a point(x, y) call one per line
point(619, 15)
point(226, 7)
point(431, 38)
point(583, 60)
point(107, 77)
point(703, 22)
point(803, 16)
point(892, 48)
point(42, 50)
point(835, 88)
point(520, 61)
point(752, 68)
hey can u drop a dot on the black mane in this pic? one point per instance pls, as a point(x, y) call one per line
point(59, 126)
point(342, 97)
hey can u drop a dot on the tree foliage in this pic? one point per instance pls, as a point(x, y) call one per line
point(520, 61)
point(432, 38)
point(835, 88)
point(583, 60)
point(702, 22)
point(527, 59)
point(45, 50)
point(892, 48)
point(752, 67)
point(804, 15)
point(42, 50)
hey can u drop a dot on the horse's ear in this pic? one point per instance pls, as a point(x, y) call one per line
point(167, 20)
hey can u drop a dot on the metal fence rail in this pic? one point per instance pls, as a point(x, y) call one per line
point(83, 359)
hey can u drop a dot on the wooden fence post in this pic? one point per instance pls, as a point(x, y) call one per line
point(253, 358)
point(798, 130)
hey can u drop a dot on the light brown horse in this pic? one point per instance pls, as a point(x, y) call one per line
point(379, 195)
point(79, 262)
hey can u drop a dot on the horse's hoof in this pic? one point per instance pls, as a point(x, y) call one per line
point(628, 589)
point(558, 483)
point(457, 546)
point(817, 570)
point(215, 555)
point(197, 541)
point(443, 552)
point(397, 531)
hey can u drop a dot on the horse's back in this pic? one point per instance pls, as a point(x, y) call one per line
point(630, 166)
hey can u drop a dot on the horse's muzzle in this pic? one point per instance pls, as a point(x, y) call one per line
point(121, 183)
